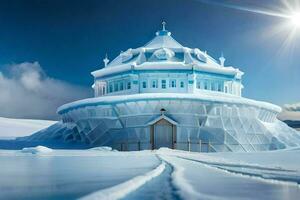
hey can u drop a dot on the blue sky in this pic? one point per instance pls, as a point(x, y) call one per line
point(70, 38)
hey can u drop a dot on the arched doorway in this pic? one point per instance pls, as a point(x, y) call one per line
point(163, 133)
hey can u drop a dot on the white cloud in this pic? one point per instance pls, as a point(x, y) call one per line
point(292, 107)
point(290, 112)
point(27, 92)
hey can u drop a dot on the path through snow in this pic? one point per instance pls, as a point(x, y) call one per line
point(201, 181)
point(162, 174)
point(202, 176)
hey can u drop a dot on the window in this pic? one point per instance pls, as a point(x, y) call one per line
point(154, 84)
point(198, 84)
point(213, 86)
point(173, 83)
point(121, 86)
point(205, 85)
point(98, 91)
point(110, 88)
point(226, 89)
point(116, 87)
point(219, 87)
point(103, 90)
point(128, 85)
point(144, 84)
point(181, 84)
point(163, 84)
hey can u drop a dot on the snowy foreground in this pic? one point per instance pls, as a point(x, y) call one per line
point(100, 173)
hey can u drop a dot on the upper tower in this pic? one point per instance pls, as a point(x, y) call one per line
point(164, 65)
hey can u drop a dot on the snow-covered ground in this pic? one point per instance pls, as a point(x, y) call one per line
point(101, 173)
point(12, 128)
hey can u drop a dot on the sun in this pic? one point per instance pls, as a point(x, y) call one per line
point(295, 19)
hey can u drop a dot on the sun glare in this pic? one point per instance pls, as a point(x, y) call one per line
point(287, 26)
point(295, 19)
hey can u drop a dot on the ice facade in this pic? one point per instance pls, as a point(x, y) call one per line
point(166, 95)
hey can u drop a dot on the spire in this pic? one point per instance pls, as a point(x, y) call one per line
point(222, 60)
point(164, 25)
point(163, 31)
point(106, 60)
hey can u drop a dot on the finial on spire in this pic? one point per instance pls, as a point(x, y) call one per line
point(222, 60)
point(106, 60)
point(163, 32)
point(164, 25)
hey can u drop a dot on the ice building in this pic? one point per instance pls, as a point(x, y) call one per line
point(164, 94)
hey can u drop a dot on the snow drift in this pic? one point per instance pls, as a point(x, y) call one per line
point(12, 128)
point(36, 150)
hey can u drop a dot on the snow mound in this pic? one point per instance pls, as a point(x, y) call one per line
point(164, 149)
point(36, 150)
point(12, 128)
point(121, 190)
point(103, 148)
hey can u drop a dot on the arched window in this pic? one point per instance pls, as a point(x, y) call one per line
point(144, 84)
point(154, 84)
point(121, 85)
point(163, 84)
point(181, 84)
point(128, 85)
point(219, 87)
point(110, 87)
point(173, 83)
point(198, 84)
point(213, 87)
point(205, 85)
point(116, 87)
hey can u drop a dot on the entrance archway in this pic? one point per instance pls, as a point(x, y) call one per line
point(163, 133)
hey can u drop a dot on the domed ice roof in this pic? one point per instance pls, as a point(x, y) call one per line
point(163, 39)
point(164, 50)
